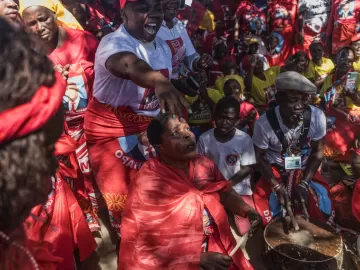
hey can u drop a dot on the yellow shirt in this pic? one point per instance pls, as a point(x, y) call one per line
point(208, 22)
point(263, 92)
point(219, 84)
point(339, 102)
point(202, 113)
point(356, 65)
point(314, 72)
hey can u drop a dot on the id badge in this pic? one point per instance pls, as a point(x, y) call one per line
point(292, 163)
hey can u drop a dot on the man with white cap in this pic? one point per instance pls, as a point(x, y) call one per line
point(289, 146)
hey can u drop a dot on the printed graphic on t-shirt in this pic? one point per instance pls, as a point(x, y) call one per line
point(134, 150)
point(346, 9)
point(281, 18)
point(270, 94)
point(76, 97)
point(178, 52)
point(231, 159)
point(201, 111)
point(150, 101)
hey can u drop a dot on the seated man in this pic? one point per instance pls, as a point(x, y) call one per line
point(289, 147)
point(174, 217)
point(232, 151)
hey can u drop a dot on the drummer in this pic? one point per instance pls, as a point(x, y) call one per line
point(289, 147)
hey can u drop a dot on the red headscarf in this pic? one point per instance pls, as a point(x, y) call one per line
point(33, 115)
point(123, 2)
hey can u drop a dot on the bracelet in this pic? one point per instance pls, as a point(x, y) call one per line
point(304, 184)
point(277, 187)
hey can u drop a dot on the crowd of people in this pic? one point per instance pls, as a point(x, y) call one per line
point(159, 134)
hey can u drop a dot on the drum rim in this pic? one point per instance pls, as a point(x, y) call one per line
point(285, 255)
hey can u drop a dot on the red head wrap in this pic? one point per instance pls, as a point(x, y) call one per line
point(123, 2)
point(30, 117)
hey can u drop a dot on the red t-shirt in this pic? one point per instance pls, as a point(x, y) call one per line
point(248, 14)
point(97, 16)
point(79, 51)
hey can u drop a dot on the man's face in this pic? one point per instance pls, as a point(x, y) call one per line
point(178, 142)
point(232, 89)
point(143, 19)
point(345, 60)
point(41, 21)
point(258, 25)
point(356, 47)
point(293, 103)
point(171, 8)
point(9, 9)
point(226, 120)
point(273, 42)
point(302, 64)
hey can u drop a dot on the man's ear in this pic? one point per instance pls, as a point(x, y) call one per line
point(124, 16)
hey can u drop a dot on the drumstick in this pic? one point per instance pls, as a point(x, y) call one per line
point(292, 218)
point(238, 245)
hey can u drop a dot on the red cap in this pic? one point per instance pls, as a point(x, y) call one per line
point(123, 2)
point(355, 37)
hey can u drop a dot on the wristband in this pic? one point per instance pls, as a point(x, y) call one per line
point(277, 187)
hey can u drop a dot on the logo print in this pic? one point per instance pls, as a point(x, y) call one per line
point(231, 159)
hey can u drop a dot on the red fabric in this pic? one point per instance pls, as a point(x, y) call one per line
point(246, 109)
point(356, 201)
point(263, 191)
point(113, 166)
point(195, 15)
point(167, 207)
point(341, 29)
point(282, 15)
point(224, 10)
point(342, 197)
point(246, 12)
point(78, 51)
point(355, 37)
point(61, 222)
point(29, 117)
point(243, 224)
point(12, 256)
point(339, 140)
point(123, 2)
point(97, 18)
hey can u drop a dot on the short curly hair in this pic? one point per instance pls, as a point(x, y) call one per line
point(25, 163)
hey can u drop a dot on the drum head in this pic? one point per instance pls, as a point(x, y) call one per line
point(314, 243)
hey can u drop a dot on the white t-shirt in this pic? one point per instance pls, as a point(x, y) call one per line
point(264, 137)
point(229, 156)
point(179, 43)
point(118, 92)
point(316, 13)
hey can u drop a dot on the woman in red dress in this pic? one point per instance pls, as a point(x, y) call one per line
point(30, 113)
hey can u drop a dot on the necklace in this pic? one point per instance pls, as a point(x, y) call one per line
point(22, 248)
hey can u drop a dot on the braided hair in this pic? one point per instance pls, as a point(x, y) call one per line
point(27, 163)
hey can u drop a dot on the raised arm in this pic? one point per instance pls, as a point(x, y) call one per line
point(127, 65)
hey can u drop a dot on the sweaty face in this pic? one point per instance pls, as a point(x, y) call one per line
point(41, 21)
point(9, 9)
point(356, 47)
point(226, 120)
point(171, 8)
point(232, 89)
point(317, 52)
point(143, 19)
point(178, 142)
point(345, 60)
point(302, 63)
point(293, 103)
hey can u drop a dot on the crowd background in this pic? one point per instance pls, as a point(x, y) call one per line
point(124, 62)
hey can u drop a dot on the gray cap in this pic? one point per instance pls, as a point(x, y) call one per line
point(291, 80)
